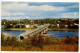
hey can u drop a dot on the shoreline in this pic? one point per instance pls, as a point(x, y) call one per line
point(19, 29)
point(60, 29)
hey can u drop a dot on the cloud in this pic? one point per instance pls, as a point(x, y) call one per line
point(4, 13)
point(18, 10)
point(70, 15)
point(25, 6)
point(11, 18)
point(74, 6)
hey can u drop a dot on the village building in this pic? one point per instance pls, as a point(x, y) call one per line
point(57, 25)
point(76, 24)
point(66, 26)
point(27, 26)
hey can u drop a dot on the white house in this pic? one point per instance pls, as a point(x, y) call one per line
point(76, 24)
point(27, 26)
point(66, 25)
point(57, 25)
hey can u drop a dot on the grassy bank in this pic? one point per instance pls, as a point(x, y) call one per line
point(62, 29)
point(17, 28)
point(35, 28)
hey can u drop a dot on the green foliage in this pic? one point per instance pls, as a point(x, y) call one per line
point(34, 26)
point(13, 41)
point(2, 37)
point(27, 43)
point(8, 41)
point(51, 27)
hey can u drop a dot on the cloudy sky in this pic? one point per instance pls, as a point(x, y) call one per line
point(32, 10)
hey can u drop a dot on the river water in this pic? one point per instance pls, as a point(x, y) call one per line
point(56, 34)
point(63, 34)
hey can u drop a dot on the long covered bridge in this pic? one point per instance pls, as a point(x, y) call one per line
point(39, 30)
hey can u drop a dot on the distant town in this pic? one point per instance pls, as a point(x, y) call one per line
point(34, 23)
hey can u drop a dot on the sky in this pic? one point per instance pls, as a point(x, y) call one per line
point(39, 10)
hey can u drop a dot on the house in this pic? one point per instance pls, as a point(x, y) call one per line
point(66, 26)
point(27, 26)
point(57, 25)
point(76, 24)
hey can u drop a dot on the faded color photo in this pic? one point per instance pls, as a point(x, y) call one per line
point(40, 26)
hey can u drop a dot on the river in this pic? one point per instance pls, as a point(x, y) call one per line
point(63, 34)
point(56, 34)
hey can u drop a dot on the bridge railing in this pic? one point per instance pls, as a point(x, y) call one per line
point(36, 31)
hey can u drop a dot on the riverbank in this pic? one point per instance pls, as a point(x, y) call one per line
point(18, 29)
point(7, 35)
point(35, 28)
point(61, 29)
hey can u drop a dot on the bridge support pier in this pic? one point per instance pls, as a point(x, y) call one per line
point(44, 31)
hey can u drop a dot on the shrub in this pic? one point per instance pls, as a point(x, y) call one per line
point(76, 39)
point(2, 37)
point(56, 41)
point(13, 41)
point(37, 40)
point(70, 40)
point(34, 40)
point(8, 41)
point(40, 41)
point(47, 40)
point(27, 43)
